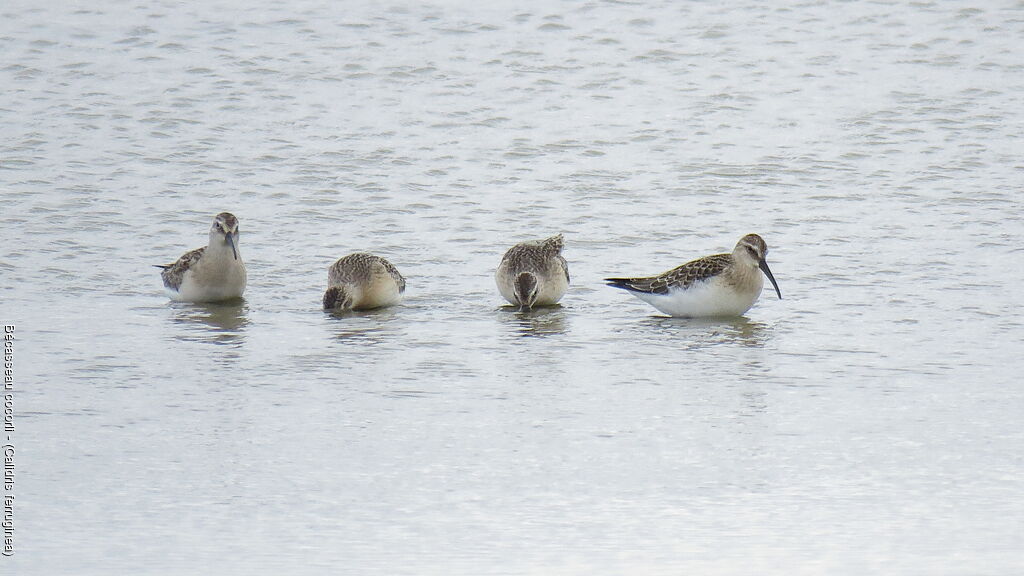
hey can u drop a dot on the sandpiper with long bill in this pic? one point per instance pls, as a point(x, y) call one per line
point(213, 273)
point(718, 285)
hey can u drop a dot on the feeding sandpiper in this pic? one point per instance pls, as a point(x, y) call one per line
point(213, 273)
point(533, 273)
point(718, 285)
point(362, 281)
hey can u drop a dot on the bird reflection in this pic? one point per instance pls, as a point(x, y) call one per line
point(701, 332)
point(221, 323)
point(755, 402)
point(363, 326)
point(540, 322)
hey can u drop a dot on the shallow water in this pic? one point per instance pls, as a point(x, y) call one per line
point(868, 422)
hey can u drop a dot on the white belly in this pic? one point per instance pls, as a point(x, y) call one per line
point(381, 292)
point(213, 288)
point(703, 299)
point(552, 287)
point(552, 290)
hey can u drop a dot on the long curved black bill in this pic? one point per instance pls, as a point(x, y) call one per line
point(231, 240)
point(763, 265)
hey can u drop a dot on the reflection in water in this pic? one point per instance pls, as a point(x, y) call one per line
point(755, 403)
point(543, 321)
point(221, 323)
point(364, 326)
point(702, 332)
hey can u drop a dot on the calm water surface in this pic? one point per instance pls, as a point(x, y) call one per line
point(870, 422)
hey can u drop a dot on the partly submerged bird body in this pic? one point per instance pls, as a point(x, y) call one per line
point(533, 273)
point(361, 282)
point(718, 285)
point(213, 273)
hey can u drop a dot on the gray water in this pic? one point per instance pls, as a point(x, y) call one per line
point(869, 422)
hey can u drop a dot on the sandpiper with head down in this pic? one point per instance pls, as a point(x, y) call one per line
point(718, 285)
point(533, 273)
point(213, 273)
point(362, 282)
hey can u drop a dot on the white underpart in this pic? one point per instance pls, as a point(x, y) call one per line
point(550, 288)
point(505, 287)
point(707, 298)
point(379, 292)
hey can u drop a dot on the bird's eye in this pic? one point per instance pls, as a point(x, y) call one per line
point(752, 252)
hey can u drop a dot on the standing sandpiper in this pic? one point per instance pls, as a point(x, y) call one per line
point(362, 281)
point(718, 285)
point(533, 273)
point(213, 273)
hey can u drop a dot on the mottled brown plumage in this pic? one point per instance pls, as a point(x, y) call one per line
point(681, 276)
point(534, 273)
point(173, 274)
point(361, 267)
point(362, 281)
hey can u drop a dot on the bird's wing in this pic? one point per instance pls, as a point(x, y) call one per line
point(174, 273)
point(390, 268)
point(679, 277)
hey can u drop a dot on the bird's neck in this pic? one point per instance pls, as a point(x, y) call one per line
point(219, 248)
point(745, 273)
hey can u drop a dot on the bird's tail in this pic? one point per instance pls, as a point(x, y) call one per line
point(631, 284)
point(555, 244)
